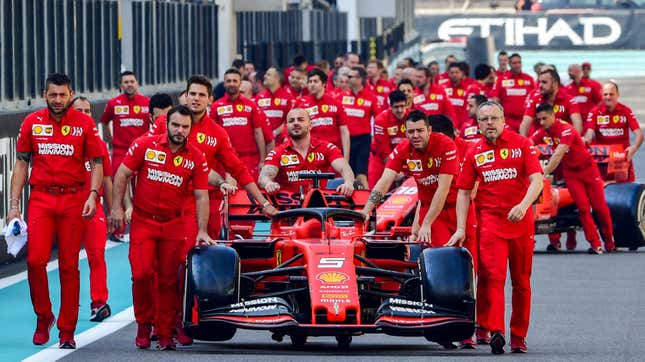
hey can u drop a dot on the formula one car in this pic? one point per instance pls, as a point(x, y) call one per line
point(318, 273)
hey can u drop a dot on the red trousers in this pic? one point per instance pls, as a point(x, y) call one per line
point(494, 254)
point(154, 247)
point(375, 169)
point(55, 216)
point(588, 192)
point(94, 241)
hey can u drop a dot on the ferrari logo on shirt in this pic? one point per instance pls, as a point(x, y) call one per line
point(201, 137)
point(155, 156)
point(136, 109)
point(430, 162)
point(310, 157)
point(42, 130)
point(325, 108)
point(360, 101)
point(379, 89)
point(460, 92)
point(433, 96)
point(602, 120)
point(403, 128)
point(503, 153)
point(519, 81)
point(415, 165)
point(177, 160)
point(287, 160)
point(122, 110)
point(225, 109)
point(485, 157)
point(264, 102)
point(348, 100)
point(581, 89)
point(65, 130)
point(616, 118)
point(556, 108)
point(239, 107)
point(276, 101)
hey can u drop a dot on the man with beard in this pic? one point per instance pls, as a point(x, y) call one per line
point(503, 161)
point(243, 122)
point(56, 141)
point(301, 152)
point(431, 98)
point(431, 158)
point(511, 90)
point(168, 169)
point(380, 87)
point(389, 131)
point(275, 102)
point(297, 86)
point(457, 91)
point(130, 117)
point(328, 121)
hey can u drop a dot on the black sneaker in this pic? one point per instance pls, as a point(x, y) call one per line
point(497, 343)
point(595, 250)
point(552, 248)
point(100, 313)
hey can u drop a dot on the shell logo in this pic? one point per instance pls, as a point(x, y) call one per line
point(38, 129)
point(481, 158)
point(332, 277)
point(150, 155)
point(284, 160)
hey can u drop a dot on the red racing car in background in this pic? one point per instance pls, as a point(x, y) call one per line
point(319, 273)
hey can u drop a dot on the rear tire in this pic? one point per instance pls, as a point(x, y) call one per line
point(626, 203)
point(344, 341)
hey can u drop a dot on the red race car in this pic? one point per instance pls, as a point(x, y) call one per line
point(319, 273)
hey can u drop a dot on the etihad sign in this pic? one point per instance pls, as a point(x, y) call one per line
point(515, 30)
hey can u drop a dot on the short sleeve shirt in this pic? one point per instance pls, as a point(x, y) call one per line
point(578, 157)
point(326, 117)
point(612, 127)
point(130, 119)
point(359, 109)
point(239, 117)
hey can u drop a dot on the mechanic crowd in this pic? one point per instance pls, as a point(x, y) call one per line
point(465, 141)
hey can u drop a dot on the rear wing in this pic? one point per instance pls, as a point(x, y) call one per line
point(601, 153)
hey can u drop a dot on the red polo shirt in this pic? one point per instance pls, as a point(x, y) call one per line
point(564, 105)
point(289, 162)
point(439, 157)
point(512, 89)
point(388, 132)
point(578, 157)
point(239, 117)
point(612, 127)
point(381, 89)
point(503, 170)
point(130, 119)
point(588, 94)
point(275, 106)
point(58, 149)
point(326, 117)
point(435, 101)
point(359, 109)
point(458, 98)
point(164, 178)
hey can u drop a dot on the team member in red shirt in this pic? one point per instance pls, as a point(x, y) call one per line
point(380, 87)
point(511, 90)
point(432, 98)
point(301, 152)
point(243, 122)
point(275, 102)
point(407, 87)
point(167, 165)
point(504, 161)
point(457, 92)
point(431, 158)
point(610, 122)
point(297, 86)
point(580, 173)
point(484, 83)
point(95, 234)
point(389, 130)
point(588, 94)
point(328, 121)
point(56, 141)
point(359, 105)
point(443, 79)
point(470, 130)
point(503, 62)
point(130, 117)
point(586, 72)
point(550, 92)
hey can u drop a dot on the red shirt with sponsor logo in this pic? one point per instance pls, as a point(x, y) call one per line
point(107, 167)
point(293, 93)
point(58, 149)
point(213, 141)
point(359, 109)
point(435, 101)
point(388, 132)
point(612, 127)
point(442, 79)
point(163, 177)
point(470, 132)
point(439, 157)
point(381, 89)
point(289, 162)
point(512, 90)
point(326, 117)
point(503, 170)
point(130, 119)
point(275, 106)
point(481, 89)
point(239, 117)
point(578, 157)
point(588, 94)
point(564, 105)
point(457, 94)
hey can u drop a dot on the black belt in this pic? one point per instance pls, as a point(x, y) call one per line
point(59, 190)
point(158, 217)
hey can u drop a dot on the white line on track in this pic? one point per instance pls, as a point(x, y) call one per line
point(108, 326)
point(52, 265)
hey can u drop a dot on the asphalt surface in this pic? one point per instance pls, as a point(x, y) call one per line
point(585, 308)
